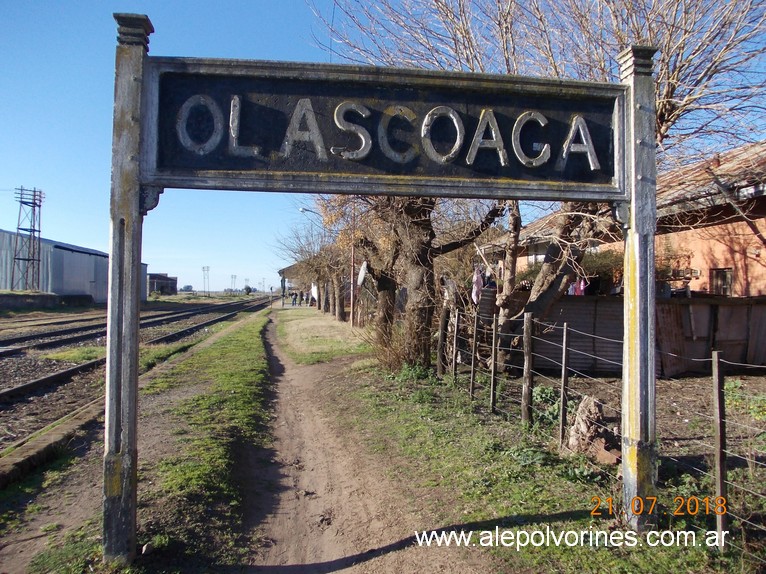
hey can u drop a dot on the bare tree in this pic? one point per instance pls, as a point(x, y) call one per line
point(318, 260)
point(402, 237)
point(710, 79)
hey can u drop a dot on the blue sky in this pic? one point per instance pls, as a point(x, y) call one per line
point(56, 101)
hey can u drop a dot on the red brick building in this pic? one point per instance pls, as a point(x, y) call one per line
point(711, 226)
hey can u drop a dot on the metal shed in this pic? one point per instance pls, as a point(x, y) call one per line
point(64, 269)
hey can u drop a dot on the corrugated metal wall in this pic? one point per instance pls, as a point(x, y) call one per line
point(595, 340)
point(6, 259)
point(686, 331)
point(64, 269)
point(7, 248)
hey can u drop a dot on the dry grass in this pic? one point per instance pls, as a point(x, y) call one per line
point(311, 337)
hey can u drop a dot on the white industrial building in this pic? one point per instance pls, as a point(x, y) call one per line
point(64, 269)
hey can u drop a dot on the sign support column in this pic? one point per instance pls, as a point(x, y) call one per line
point(120, 436)
point(639, 449)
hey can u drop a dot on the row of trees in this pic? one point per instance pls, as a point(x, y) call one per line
point(710, 96)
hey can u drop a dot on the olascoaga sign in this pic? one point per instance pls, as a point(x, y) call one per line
point(346, 129)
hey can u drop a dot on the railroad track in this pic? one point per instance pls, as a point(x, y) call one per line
point(39, 403)
point(71, 335)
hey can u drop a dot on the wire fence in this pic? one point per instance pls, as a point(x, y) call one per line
point(711, 431)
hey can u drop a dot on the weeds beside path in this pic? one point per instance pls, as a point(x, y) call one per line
point(194, 413)
point(281, 448)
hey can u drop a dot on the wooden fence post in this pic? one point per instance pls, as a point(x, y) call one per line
point(564, 384)
point(719, 441)
point(526, 390)
point(454, 344)
point(441, 359)
point(473, 352)
point(493, 372)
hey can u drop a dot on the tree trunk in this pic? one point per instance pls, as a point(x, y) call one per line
point(563, 255)
point(319, 296)
point(331, 299)
point(340, 297)
point(325, 297)
point(419, 311)
point(504, 301)
point(386, 288)
point(441, 349)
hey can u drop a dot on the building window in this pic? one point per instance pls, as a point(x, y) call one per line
point(720, 281)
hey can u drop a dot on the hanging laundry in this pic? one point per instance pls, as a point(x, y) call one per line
point(478, 283)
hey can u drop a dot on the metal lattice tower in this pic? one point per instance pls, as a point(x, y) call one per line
point(25, 275)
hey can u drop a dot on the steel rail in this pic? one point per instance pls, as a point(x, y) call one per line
point(99, 330)
point(60, 377)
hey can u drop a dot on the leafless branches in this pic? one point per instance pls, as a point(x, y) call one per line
point(709, 69)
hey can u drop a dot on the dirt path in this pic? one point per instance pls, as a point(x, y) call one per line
point(335, 509)
point(322, 503)
point(76, 497)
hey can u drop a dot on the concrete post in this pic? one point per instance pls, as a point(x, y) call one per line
point(639, 449)
point(120, 448)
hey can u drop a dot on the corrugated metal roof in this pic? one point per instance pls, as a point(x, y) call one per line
point(696, 187)
point(67, 246)
point(742, 171)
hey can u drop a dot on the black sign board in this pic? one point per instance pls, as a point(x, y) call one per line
point(347, 129)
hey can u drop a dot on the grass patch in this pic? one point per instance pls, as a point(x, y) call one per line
point(195, 511)
point(310, 337)
point(477, 472)
point(80, 552)
point(17, 499)
point(200, 480)
point(150, 357)
point(740, 400)
point(78, 355)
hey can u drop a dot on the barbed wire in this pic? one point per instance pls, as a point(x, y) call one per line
point(746, 365)
point(508, 402)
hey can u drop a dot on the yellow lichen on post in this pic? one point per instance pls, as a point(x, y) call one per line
point(638, 394)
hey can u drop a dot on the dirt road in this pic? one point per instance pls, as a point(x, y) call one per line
point(319, 500)
point(333, 507)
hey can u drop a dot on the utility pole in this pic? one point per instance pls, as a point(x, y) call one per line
point(25, 274)
point(352, 283)
point(206, 280)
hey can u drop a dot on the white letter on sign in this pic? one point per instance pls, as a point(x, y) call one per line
point(200, 148)
point(425, 134)
point(388, 114)
point(545, 154)
point(578, 127)
point(487, 119)
point(234, 147)
point(347, 126)
point(303, 109)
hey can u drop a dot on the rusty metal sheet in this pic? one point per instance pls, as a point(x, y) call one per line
point(349, 129)
point(756, 351)
point(609, 329)
point(671, 340)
